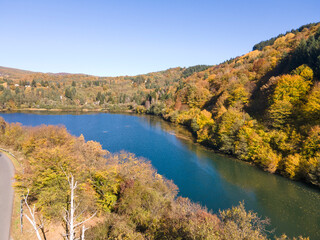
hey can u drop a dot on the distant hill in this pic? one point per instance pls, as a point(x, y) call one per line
point(13, 73)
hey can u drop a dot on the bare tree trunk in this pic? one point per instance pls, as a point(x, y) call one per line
point(32, 218)
point(66, 217)
point(71, 218)
point(71, 228)
point(43, 233)
point(83, 231)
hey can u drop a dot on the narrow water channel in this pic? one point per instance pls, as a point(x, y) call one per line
point(211, 179)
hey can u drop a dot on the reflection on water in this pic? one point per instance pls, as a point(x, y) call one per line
point(213, 180)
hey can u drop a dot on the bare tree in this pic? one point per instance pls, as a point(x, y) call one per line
point(32, 219)
point(71, 218)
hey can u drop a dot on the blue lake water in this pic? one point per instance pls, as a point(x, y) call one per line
point(211, 179)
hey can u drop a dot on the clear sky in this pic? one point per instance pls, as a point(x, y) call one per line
point(118, 37)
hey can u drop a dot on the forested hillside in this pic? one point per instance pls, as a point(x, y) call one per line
point(23, 89)
point(262, 107)
point(122, 196)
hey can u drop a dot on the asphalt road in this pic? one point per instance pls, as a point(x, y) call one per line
point(6, 195)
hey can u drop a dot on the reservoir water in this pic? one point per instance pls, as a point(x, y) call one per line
point(215, 181)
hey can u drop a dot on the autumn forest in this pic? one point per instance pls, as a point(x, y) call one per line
point(262, 108)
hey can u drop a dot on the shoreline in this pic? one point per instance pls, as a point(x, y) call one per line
point(85, 110)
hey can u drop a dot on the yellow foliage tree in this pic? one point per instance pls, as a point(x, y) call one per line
point(288, 92)
point(253, 145)
point(206, 124)
point(292, 88)
point(292, 163)
point(304, 71)
point(311, 109)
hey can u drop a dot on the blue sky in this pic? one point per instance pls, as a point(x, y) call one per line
point(117, 37)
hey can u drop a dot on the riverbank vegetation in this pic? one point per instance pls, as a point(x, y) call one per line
point(125, 194)
point(262, 107)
